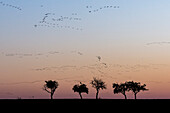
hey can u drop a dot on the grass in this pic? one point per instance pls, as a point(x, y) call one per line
point(84, 101)
point(84, 105)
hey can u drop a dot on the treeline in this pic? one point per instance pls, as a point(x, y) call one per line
point(50, 86)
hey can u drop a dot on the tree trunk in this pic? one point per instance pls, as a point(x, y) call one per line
point(51, 96)
point(80, 96)
point(97, 94)
point(135, 95)
point(125, 96)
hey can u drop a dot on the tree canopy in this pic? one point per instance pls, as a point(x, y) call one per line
point(82, 88)
point(98, 84)
point(120, 88)
point(50, 87)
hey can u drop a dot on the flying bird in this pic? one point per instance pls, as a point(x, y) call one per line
point(80, 53)
point(99, 57)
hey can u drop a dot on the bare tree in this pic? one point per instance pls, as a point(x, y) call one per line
point(98, 84)
point(136, 87)
point(80, 89)
point(120, 88)
point(50, 87)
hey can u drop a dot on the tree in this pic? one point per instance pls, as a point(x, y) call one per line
point(80, 89)
point(120, 88)
point(98, 84)
point(136, 87)
point(50, 87)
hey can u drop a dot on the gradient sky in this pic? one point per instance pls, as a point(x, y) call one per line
point(132, 39)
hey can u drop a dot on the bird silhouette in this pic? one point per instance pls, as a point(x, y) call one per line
point(9, 5)
point(99, 57)
point(35, 25)
point(80, 53)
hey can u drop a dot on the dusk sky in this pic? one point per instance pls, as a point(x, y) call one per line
point(62, 39)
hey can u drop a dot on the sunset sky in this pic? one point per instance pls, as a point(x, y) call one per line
point(62, 39)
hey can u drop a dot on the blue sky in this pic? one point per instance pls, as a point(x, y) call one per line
point(132, 20)
point(130, 26)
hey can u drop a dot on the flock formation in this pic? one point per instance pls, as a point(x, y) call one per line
point(93, 10)
point(157, 43)
point(51, 20)
point(97, 68)
point(35, 55)
point(10, 6)
point(39, 54)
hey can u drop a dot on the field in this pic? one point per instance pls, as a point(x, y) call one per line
point(84, 102)
point(87, 105)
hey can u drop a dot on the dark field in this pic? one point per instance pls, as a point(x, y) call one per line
point(85, 102)
point(86, 105)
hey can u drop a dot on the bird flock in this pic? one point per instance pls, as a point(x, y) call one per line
point(100, 68)
point(53, 21)
point(10, 6)
point(93, 10)
point(103, 69)
point(71, 22)
point(157, 43)
point(36, 55)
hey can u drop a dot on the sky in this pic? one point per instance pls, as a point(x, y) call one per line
point(61, 40)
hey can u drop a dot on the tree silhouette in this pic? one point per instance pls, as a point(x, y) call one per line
point(120, 88)
point(136, 87)
point(80, 89)
point(52, 85)
point(98, 84)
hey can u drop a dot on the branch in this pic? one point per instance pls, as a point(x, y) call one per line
point(46, 90)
